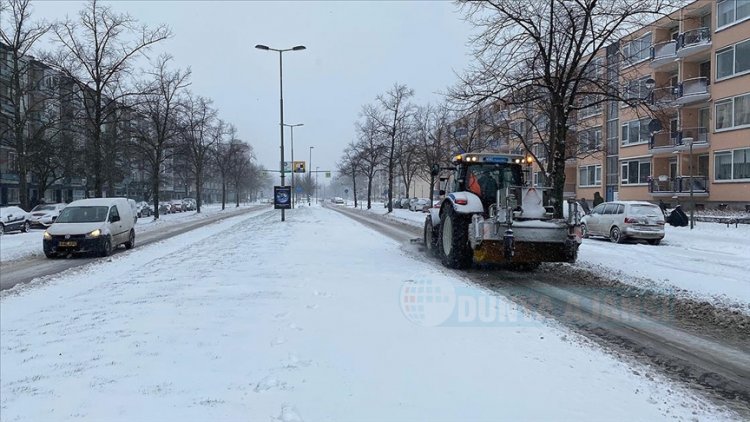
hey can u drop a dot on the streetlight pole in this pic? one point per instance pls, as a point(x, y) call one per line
point(692, 201)
point(281, 104)
point(294, 194)
point(316, 184)
point(309, 176)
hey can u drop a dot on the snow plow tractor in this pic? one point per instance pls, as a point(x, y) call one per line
point(491, 217)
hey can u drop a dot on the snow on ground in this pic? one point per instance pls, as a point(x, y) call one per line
point(316, 318)
point(710, 262)
point(19, 245)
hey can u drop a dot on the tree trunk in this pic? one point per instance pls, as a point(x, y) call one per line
point(369, 191)
point(223, 194)
point(354, 188)
point(198, 190)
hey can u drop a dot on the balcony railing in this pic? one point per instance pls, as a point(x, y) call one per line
point(679, 184)
point(664, 97)
point(663, 53)
point(693, 41)
point(676, 139)
point(699, 135)
point(691, 90)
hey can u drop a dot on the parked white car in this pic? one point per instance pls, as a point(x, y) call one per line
point(622, 220)
point(14, 218)
point(97, 225)
point(43, 215)
point(419, 204)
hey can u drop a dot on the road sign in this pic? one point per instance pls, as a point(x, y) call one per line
point(287, 166)
point(328, 174)
point(299, 167)
point(282, 197)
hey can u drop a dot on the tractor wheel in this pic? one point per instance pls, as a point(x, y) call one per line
point(455, 251)
point(431, 236)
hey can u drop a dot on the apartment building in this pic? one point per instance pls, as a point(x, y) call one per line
point(686, 129)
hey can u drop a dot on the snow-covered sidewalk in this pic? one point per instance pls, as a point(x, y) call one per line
point(709, 263)
point(317, 318)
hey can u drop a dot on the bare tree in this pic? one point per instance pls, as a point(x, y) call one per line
point(370, 152)
point(392, 111)
point(158, 108)
point(97, 53)
point(432, 140)
point(199, 135)
point(544, 51)
point(350, 165)
point(244, 173)
point(20, 35)
point(227, 155)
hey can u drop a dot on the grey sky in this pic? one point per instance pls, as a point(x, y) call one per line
point(355, 51)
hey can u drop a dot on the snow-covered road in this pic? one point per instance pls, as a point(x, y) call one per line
point(312, 319)
point(710, 263)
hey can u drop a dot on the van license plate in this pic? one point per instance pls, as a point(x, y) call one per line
point(66, 244)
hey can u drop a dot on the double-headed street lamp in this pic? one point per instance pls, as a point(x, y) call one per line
point(294, 194)
point(281, 103)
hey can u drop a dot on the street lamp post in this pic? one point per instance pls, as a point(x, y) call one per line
point(294, 194)
point(309, 177)
point(316, 184)
point(281, 104)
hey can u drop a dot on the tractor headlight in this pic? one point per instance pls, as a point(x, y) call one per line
point(47, 236)
point(95, 233)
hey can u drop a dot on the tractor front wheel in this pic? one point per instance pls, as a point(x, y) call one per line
point(455, 251)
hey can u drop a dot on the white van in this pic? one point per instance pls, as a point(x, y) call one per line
point(97, 225)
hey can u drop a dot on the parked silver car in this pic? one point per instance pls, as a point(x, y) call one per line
point(622, 220)
point(43, 215)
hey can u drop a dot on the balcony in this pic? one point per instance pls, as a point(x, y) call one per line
point(663, 97)
point(692, 91)
point(669, 142)
point(663, 54)
point(679, 186)
point(693, 42)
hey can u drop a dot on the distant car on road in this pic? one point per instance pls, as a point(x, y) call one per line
point(43, 215)
point(622, 220)
point(176, 205)
point(165, 208)
point(338, 200)
point(14, 218)
point(144, 209)
point(189, 204)
point(420, 204)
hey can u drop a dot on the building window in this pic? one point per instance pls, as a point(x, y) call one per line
point(731, 11)
point(590, 139)
point(590, 106)
point(635, 172)
point(635, 132)
point(732, 165)
point(637, 50)
point(733, 112)
point(590, 176)
point(636, 90)
point(733, 60)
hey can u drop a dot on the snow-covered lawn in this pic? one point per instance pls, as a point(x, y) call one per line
point(316, 318)
point(22, 245)
point(710, 262)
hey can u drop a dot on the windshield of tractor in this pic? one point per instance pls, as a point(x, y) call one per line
point(485, 179)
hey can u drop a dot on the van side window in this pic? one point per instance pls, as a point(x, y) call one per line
point(610, 209)
point(599, 209)
point(620, 209)
point(113, 212)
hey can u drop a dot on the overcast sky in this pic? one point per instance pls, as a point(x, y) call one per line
point(355, 51)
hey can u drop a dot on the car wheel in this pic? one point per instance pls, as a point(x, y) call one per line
point(654, 241)
point(584, 231)
point(50, 255)
point(616, 236)
point(106, 247)
point(130, 244)
point(455, 251)
point(26, 226)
